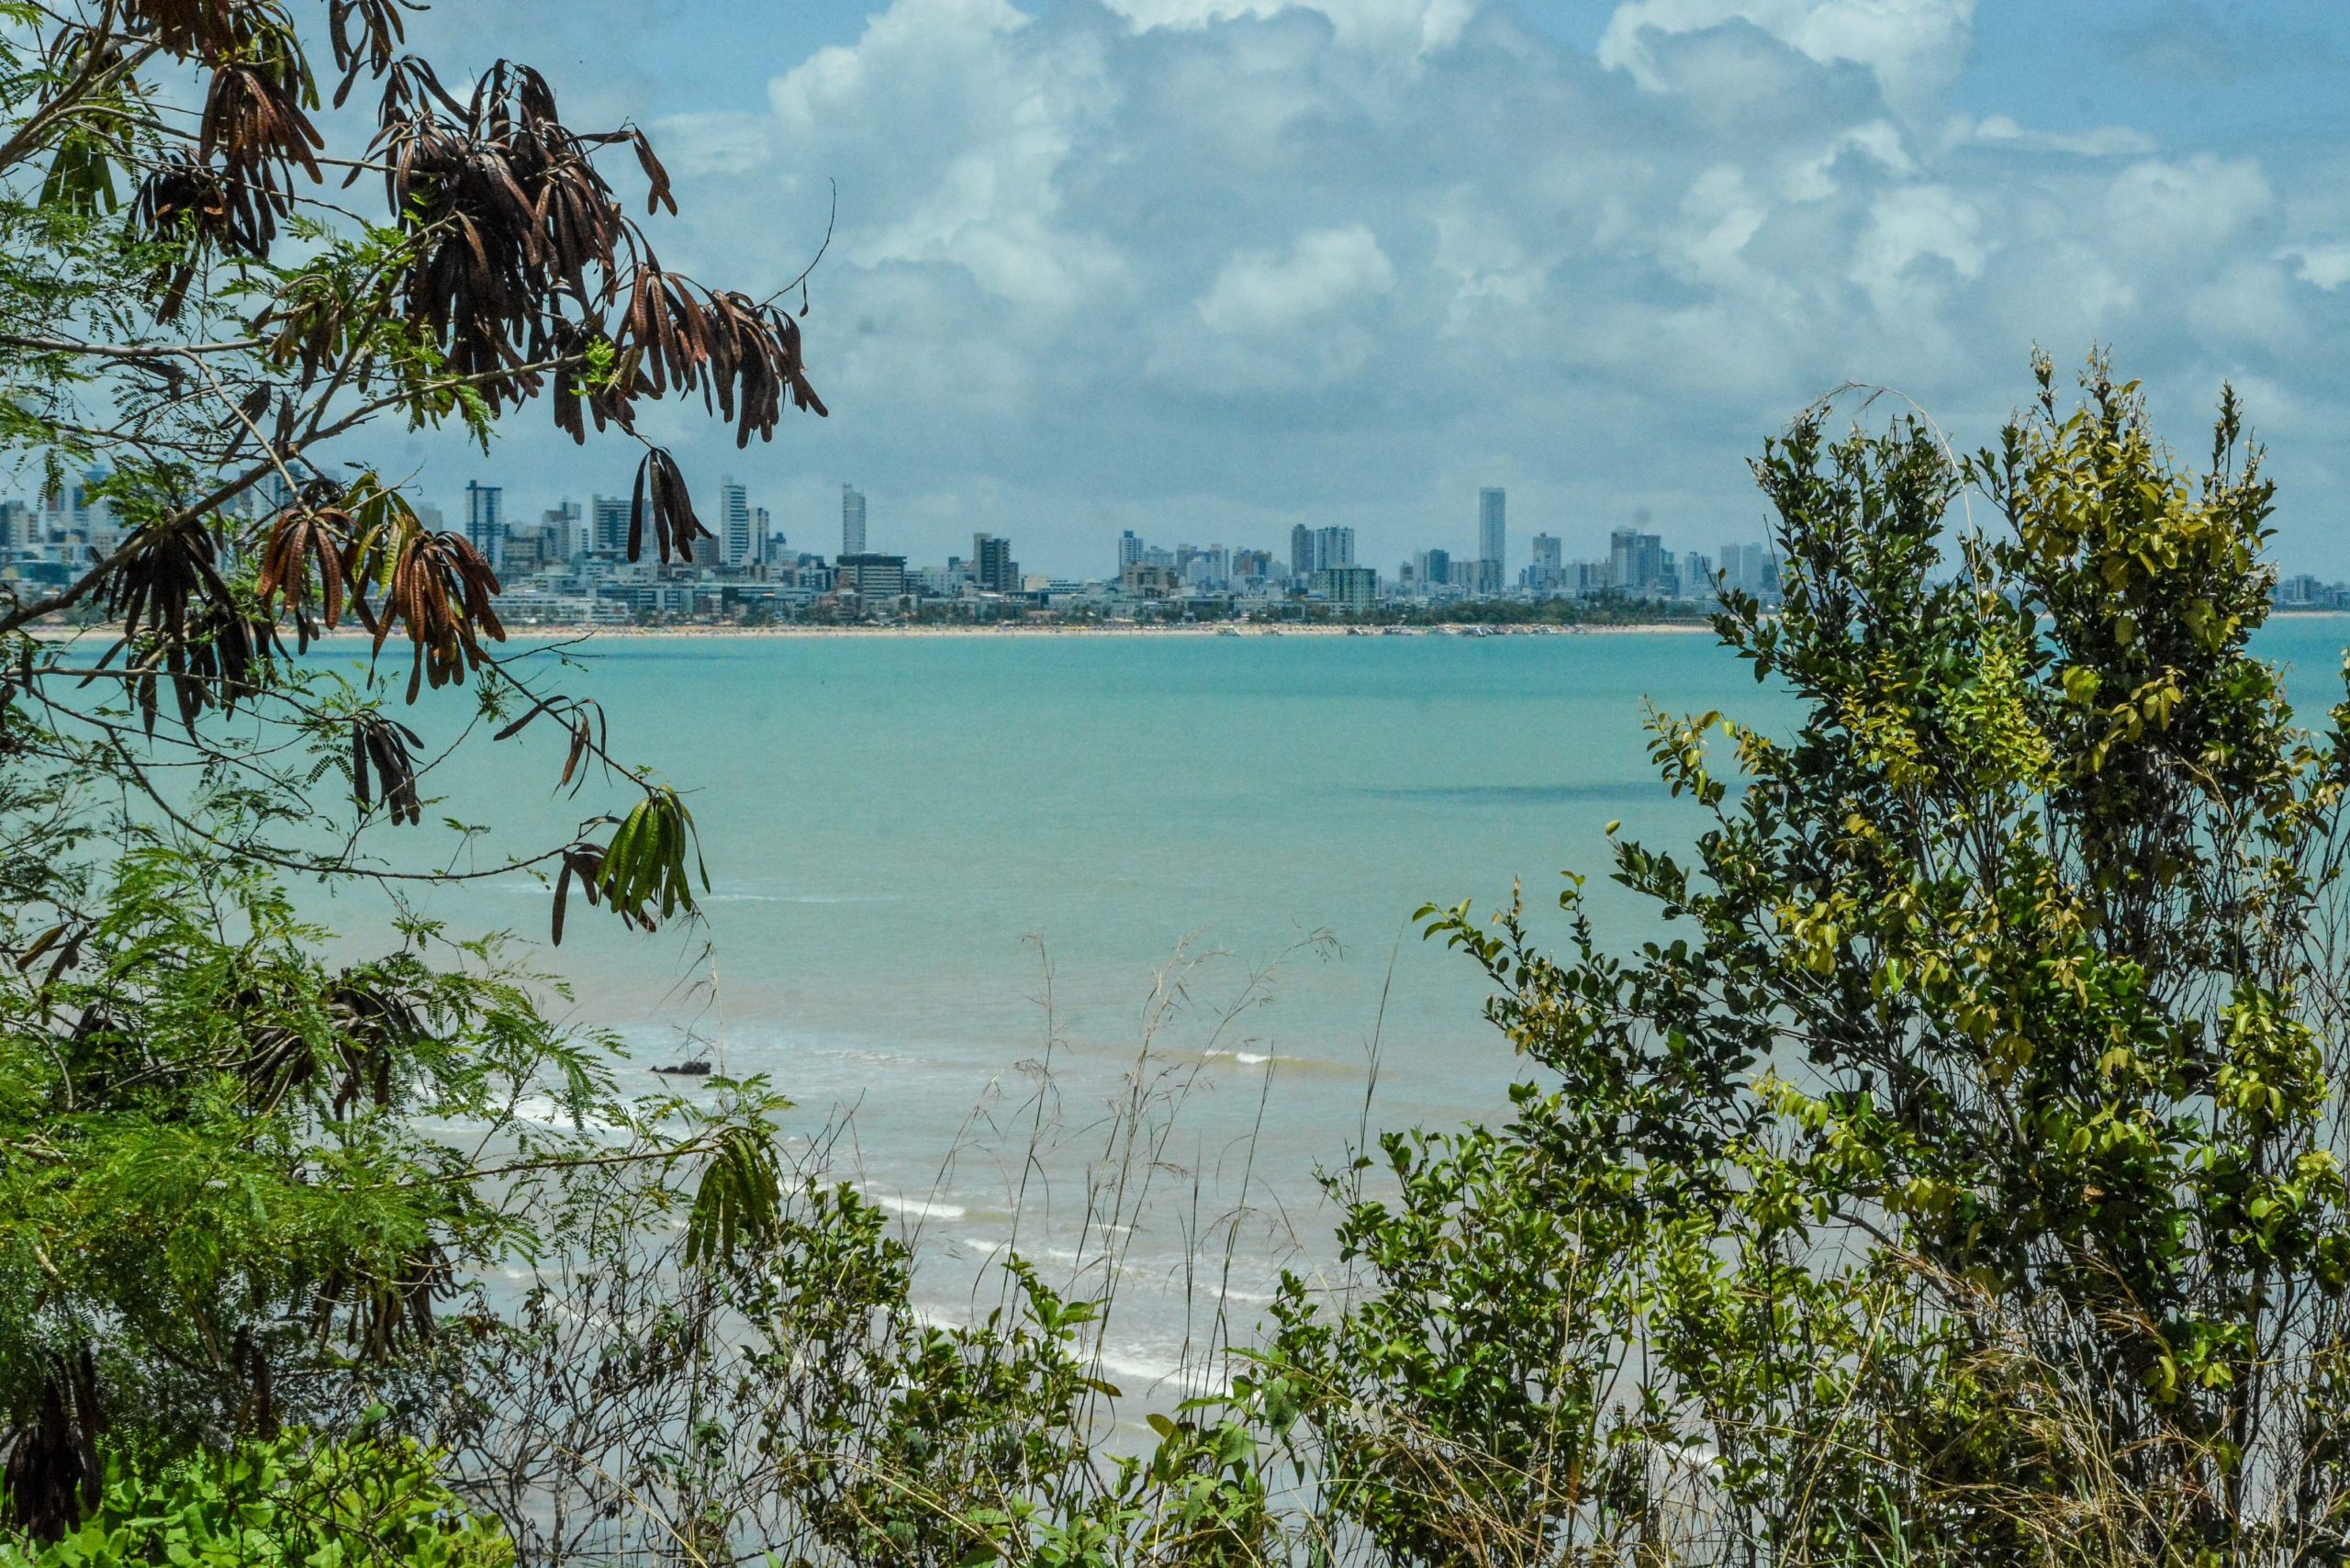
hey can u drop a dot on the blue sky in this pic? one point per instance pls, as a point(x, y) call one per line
point(1208, 268)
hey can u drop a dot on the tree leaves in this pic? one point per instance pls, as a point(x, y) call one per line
point(738, 1203)
point(644, 866)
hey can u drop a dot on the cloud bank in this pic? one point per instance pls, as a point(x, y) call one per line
point(1206, 268)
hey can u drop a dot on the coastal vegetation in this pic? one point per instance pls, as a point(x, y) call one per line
point(1964, 1183)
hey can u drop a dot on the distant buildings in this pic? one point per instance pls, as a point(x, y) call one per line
point(740, 545)
point(2302, 591)
point(1751, 569)
point(852, 521)
point(1493, 539)
point(878, 582)
point(569, 564)
point(608, 526)
point(486, 522)
point(1351, 588)
point(1312, 550)
point(992, 568)
point(1546, 574)
point(1637, 564)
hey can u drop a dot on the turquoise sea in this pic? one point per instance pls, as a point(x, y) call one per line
point(930, 856)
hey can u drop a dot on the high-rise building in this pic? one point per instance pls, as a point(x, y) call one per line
point(1300, 552)
point(1750, 568)
point(877, 581)
point(486, 521)
point(1636, 563)
point(738, 543)
point(1696, 577)
point(1349, 588)
point(1436, 571)
point(1546, 572)
point(1333, 548)
point(1129, 549)
point(1493, 539)
point(992, 567)
point(852, 521)
point(567, 535)
point(608, 526)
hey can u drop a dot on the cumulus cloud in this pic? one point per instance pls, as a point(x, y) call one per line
point(2100, 141)
point(1914, 47)
point(1208, 267)
point(1260, 292)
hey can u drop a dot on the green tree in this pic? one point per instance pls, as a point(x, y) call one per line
point(231, 1192)
point(1967, 1183)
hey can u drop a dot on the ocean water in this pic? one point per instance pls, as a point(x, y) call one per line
point(960, 884)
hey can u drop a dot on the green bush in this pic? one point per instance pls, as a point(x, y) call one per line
point(1965, 1182)
point(295, 1500)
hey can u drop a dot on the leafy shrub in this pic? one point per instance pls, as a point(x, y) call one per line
point(295, 1500)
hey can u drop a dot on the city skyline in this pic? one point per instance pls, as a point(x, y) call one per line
point(738, 540)
point(1437, 288)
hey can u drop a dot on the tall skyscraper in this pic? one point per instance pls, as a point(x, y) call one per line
point(486, 521)
point(852, 521)
point(567, 535)
point(1750, 568)
point(1333, 548)
point(1636, 563)
point(992, 567)
point(1493, 539)
point(1545, 571)
point(608, 526)
point(1129, 549)
point(738, 544)
point(1300, 552)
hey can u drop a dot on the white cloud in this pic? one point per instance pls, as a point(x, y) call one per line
point(1260, 292)
point(2196, 204)
point(1914, 224)
point(2104, 141)
point(980, 120)
point(1914, 47)
point(1417, 24)
point(2326, 265)
point(1285, 321)
point(1225, 264)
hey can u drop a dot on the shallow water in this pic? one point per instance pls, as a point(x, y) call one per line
point(916, 845)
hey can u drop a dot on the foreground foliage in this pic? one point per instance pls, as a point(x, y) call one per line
point(291, 1502)
point(252, 1174)
point(1967, 1183)
point(1967, 1186)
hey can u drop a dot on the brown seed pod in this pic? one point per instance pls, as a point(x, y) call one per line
point(299, 536)
point(675, 526)
point(444, 595)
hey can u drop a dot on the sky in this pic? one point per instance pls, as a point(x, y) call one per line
point(1206, 269)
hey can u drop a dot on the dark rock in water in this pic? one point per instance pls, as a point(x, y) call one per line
point(697, 1068)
